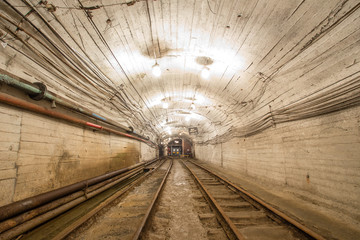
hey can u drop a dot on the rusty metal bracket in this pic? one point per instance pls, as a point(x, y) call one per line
point(41, 95)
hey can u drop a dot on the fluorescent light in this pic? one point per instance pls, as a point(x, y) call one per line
point(165, 105)
point(156, 70)
point(205, 73)
point(187, 118)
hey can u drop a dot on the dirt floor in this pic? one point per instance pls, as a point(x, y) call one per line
point(176, 217)
point(178, 214)
point(181, 211)
point(122, 219)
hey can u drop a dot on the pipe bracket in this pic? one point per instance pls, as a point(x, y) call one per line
point(131, 130)
point(41, 95)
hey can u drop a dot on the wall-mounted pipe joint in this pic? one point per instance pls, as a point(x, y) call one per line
point(38, 91)
point(41, 95)
point(35, 89)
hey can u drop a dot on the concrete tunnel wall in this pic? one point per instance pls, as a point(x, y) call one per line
point(39, 154)
point(316, 159)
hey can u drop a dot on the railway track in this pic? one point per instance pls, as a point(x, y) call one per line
point(182, 211)
point(197, 203)
point(61, 217)
point(242, 215)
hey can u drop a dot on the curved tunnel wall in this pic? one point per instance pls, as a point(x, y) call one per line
point(316, 159)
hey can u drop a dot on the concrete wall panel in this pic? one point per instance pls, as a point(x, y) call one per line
point(316, 158)
point(147, 152)
point(38, 153)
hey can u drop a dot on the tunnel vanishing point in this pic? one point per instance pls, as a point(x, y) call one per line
point(265, 91)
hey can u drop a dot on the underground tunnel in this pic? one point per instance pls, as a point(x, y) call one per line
point(191, 119)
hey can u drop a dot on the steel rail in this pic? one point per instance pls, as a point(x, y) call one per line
point(267, 206)
point(151, 206)
point(66, 231)
point(231, 230)
point(28, 225)
point(24, 205)
point(27, 216)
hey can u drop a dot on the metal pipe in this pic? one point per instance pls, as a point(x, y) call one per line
point(26, 226)
point(67, 230)
point(36, 108)
point(33, 89)
point(26, 216)
point(18, 207)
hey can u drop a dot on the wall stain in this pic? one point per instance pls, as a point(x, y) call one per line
point(124, 159)
point(66, 155)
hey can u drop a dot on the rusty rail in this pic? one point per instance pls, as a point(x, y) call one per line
point(21, 206)
point(65, 232)
point(150, 208)
point(229, 227)
point(267, 206)
point(67, 198)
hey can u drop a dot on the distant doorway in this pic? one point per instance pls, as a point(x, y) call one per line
point(176, 151)
point(180, 148)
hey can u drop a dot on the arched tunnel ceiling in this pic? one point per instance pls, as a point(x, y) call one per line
point(261, 54)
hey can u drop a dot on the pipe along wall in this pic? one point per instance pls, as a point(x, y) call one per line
point(43, 149)
point(23, 215)
point(38, 91)
point(5, 98)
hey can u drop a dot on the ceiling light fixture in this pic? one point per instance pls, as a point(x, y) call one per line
point(156, 70)
point(193, 106)
point(187, 118)
point(205, 73)
point(165, 105)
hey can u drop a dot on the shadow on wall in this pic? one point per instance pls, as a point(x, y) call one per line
point(71, 168)
point(125, 159)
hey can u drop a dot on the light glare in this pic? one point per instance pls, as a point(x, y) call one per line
point(156, 70)
point(205, 73)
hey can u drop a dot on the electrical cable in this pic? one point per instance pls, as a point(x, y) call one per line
point(112, 53)
point(72, 61)
point(325, 101)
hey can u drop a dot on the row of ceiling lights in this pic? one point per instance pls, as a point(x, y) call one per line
point(156, 71)
point(168, 129)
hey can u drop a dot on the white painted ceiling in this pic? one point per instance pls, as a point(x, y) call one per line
point(263, 55)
